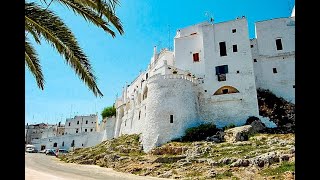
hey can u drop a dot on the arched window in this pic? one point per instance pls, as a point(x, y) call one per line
point(226, 90)
point(55, 144)
point(72, 144)
point(62, 143)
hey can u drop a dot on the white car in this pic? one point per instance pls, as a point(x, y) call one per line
point(31, 150)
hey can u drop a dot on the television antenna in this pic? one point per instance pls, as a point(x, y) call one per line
point(209, 16)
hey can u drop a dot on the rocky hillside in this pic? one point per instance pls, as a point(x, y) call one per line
point(262, 156)
point(281, 112)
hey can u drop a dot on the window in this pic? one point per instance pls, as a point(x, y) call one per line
point(171, 118)
point(55, 144)
point(77, 131)
point(147, 76)
point(221, 72)
point(139, 114)
point(63, 143)
point(69, 124)
point(195, 57)
point(221, 69)
point(223, 50)
point(81, 144)
point(251, 46)
point(294, 86)
point(92, 122)
point(238, 72)
point(234, 30)
point(205, 90)
point(225, 91)
point(72, 144)
point(235, 48)
point(85, 130)
point(86, 121)
point(91, 130)
point(254, 60)
point(274, 70)
point(279, 44)
point(77, 122)
point(125, 123)
point(62, 133)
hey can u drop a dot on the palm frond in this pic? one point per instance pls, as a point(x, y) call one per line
point(33, 32)
point(91, 10)
point(33, 64)
point(56, 33)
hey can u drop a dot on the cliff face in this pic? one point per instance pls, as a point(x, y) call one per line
point(281, 112)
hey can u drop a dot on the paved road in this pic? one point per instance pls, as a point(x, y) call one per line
point(40, 166)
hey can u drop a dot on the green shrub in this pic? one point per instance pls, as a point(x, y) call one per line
point(251, 119)
point(229, 126)
point(108, 112)
point(199, 133)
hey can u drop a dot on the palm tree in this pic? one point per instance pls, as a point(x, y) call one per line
point(42, 23)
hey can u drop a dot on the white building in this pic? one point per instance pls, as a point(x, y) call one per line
point(273, 51)
point(211, 76)
point(208, 78)
point(80, 124)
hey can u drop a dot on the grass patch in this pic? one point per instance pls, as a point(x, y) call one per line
point(285, 166)
point(194, 174)
point(226, 174)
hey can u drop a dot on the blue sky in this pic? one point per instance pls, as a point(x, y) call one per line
point(118, 60)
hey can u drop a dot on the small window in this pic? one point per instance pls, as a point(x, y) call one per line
point(77, 131)
point(91, 130)
point(235, 48)
point(62, 133)
point(171, 118)
point(85, 130)
point(238, 72)
point(225, 91)
point(147, 76)
point(294, 86)
point(254, 60)
point(234, 30)
point(81, 144)
point(221, 69)
point(63, 143)
point(251, 46)
point(55, 144)
point(139, 115)
point(195, 57)
point(205, 90)
point(274, 70)
point(86, 121)
point(92, 122)
point(279, 44)
point(223, 49)
point(69, 124)
point(77, 122)
point(125, 123)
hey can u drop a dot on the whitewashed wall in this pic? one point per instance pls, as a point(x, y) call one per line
point(282, 83)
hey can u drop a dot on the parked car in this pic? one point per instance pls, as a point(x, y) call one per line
point(42, 151)
point(31, 148)
point(50, 152)
point(62, 151)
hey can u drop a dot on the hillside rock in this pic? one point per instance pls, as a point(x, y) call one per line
point(238, 133)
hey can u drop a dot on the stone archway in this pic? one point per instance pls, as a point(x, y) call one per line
point(226, 90)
